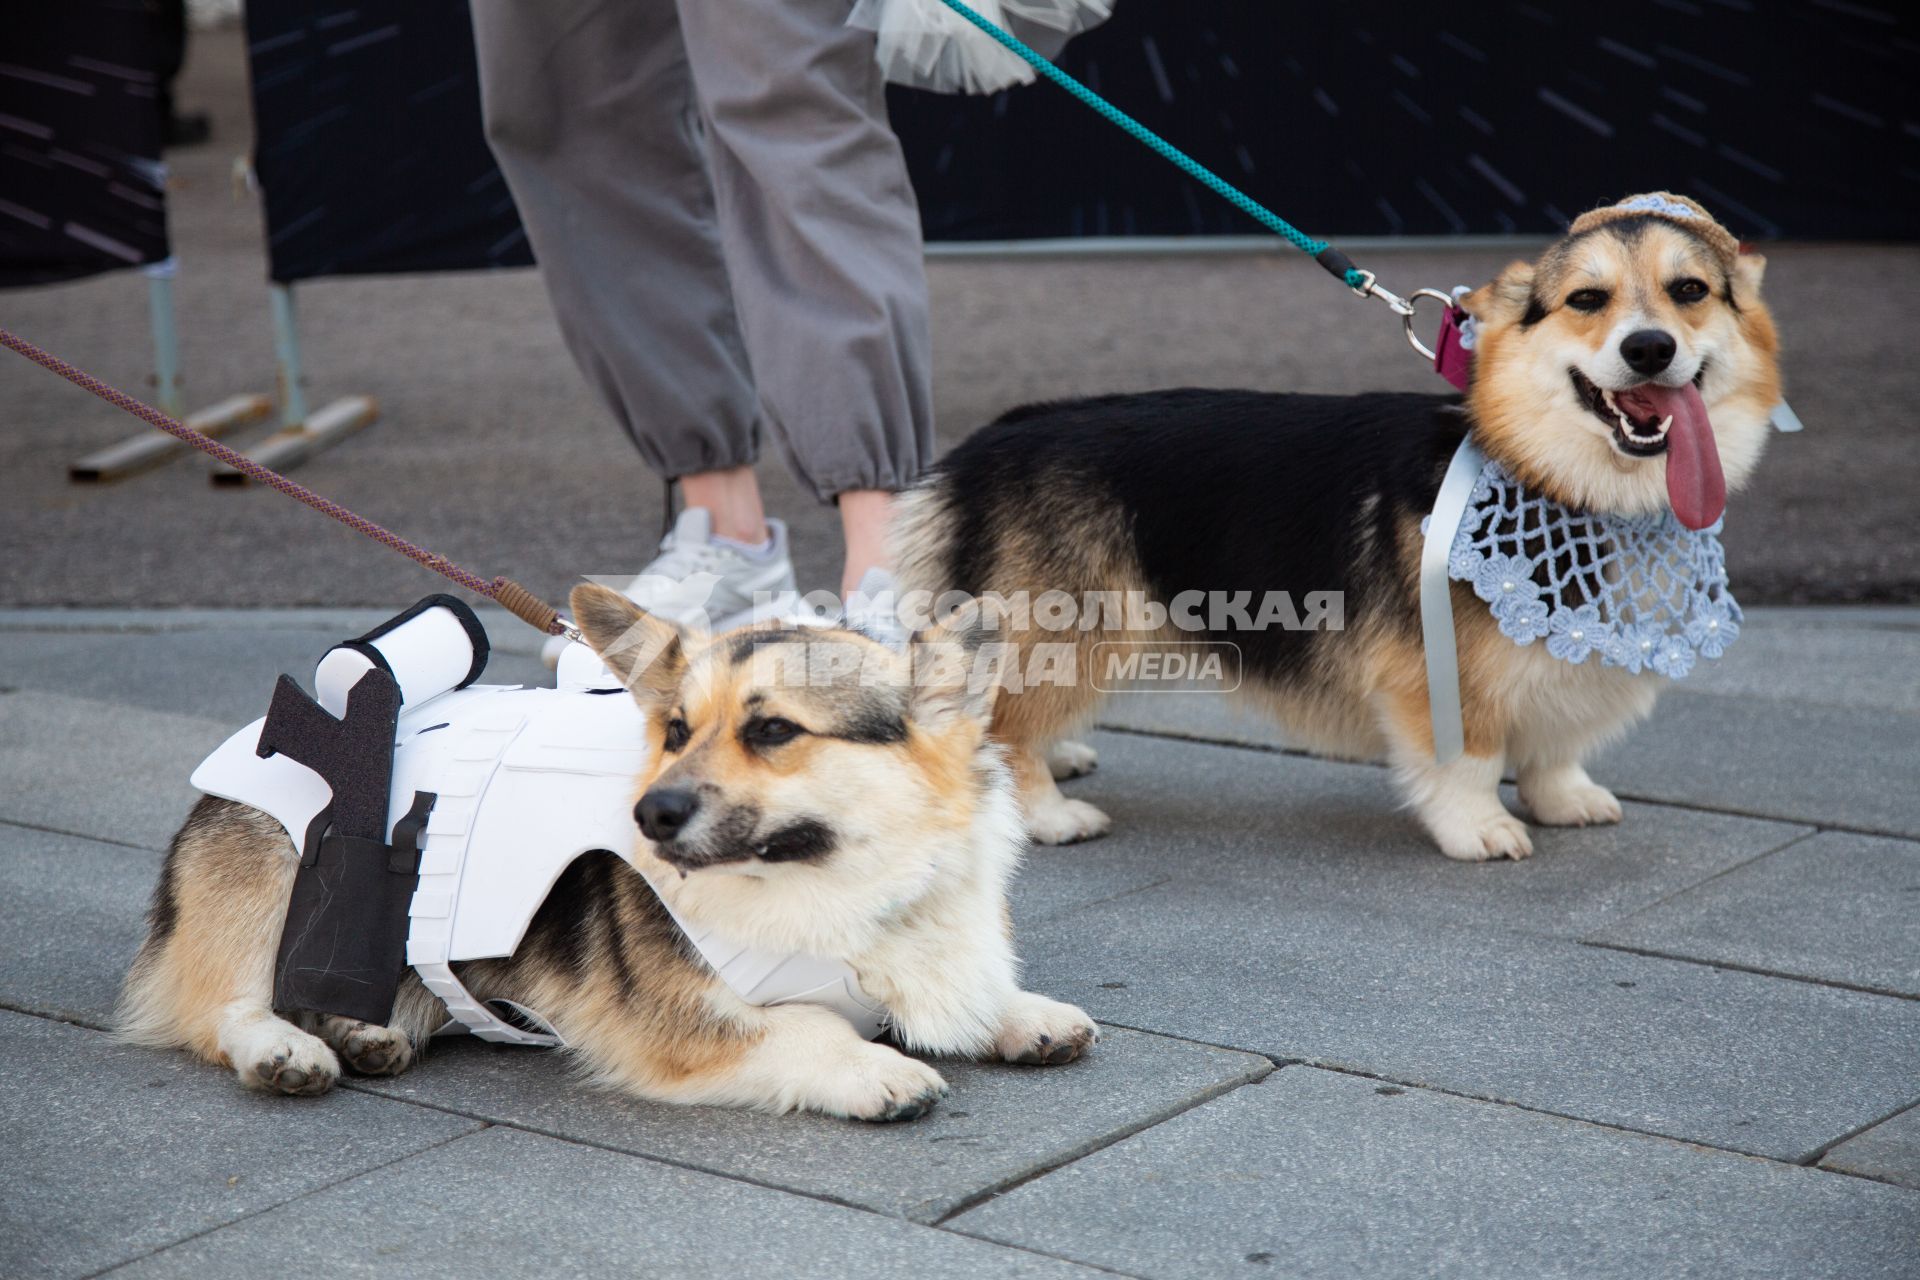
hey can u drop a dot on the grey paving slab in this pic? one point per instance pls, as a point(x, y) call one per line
point(111, 1151)
point(504, 631)
point(1764, 1065)
point(97, 768)
point(1865, 656)
point(1056, 879)
point(1855, 656)
point(218, 664)
point(1312, 1174)
point(225, 676)
point(136, 620)
point(510, 1204)
point(1202, 716)
point(1889, 1151)
point(1837, 766)
point(1002, 1123)
point(1334, 835)
point(1815, 721)
point(72, 913)
point(1835, 908)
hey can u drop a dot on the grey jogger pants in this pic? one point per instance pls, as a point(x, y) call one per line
point(724, 222)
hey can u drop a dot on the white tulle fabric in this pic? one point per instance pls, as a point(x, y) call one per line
point(926, 45)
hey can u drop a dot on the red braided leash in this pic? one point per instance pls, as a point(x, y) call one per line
point(504, 591)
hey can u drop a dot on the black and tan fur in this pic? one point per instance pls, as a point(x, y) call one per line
point(875, 822)
point(1242, 491)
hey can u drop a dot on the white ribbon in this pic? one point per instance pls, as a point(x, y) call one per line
point(1436, 601)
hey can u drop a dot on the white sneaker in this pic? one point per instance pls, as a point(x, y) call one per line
point(708, 585)
point(874, 610)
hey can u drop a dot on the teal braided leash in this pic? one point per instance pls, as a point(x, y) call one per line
point(1328, 256)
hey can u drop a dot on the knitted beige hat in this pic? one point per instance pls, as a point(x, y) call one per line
point(1664, 204)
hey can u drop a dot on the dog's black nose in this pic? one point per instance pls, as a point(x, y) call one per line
point(1647, 351)
point(662, 812)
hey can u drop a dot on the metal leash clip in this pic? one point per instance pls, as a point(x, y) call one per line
point(1372, 288)
point(1403, 307)
point(1406, 311)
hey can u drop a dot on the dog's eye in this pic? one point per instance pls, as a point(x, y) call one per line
point(1688, 290)
point(1587, 299)
point(770, 731)
point(677, 734)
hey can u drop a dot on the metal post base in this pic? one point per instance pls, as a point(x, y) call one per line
point(151, 448)
point(323, 429)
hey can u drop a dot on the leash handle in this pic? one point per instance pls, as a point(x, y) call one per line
point(522, 603)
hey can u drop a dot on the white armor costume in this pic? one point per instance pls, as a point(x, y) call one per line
point(526, 780)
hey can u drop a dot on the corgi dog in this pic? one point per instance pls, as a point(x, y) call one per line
point(1632, 369)
point(808, 791)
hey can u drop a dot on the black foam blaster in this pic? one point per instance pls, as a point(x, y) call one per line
point(343, 949)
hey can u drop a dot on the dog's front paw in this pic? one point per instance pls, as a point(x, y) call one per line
point(368, 1049)
point(1580, 802)
point(886, 1085)
point(1064, 821)
point(1069, 759)
point(1496, 836)
point(1039, 1032)
point(292, 1063)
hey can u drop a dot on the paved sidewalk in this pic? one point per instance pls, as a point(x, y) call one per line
point(1689, 1045)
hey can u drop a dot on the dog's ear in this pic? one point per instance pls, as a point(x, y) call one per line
point(644, 651)
point(1748, 270)
point(1505, 299)
point(955, 671)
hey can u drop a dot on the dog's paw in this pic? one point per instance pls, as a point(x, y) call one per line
point(1496, 836)
point(1039, 1032)
point(368, 1049)
point(291, 1062)
point(1068, 759)
point(1064, 821)
point(885, 1086)
point(1581, 803)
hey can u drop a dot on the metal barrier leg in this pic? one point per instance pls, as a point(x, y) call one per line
point(150, 448)
point(302, 434)
point(286, 351)
point(166, 337)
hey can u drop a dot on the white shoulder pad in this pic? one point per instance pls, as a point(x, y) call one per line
point(284, 789)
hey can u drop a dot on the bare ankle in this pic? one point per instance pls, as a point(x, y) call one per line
point(864, 515)
point(732, 498)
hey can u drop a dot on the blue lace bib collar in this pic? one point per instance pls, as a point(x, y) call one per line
point(1645, 593)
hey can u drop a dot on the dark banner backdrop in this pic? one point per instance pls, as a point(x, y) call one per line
point(1787, 118)
point(81, 185)
point(368, 141)
point(1784, 117)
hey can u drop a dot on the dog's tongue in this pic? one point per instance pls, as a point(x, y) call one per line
point(1696, 487)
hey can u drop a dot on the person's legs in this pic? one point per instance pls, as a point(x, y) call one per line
point(822, 241)
point(590, 112)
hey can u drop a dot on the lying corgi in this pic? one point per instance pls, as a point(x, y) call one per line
point(807, 794)
point(1631, 370)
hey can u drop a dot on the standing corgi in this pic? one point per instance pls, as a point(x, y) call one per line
point(1631, 370)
